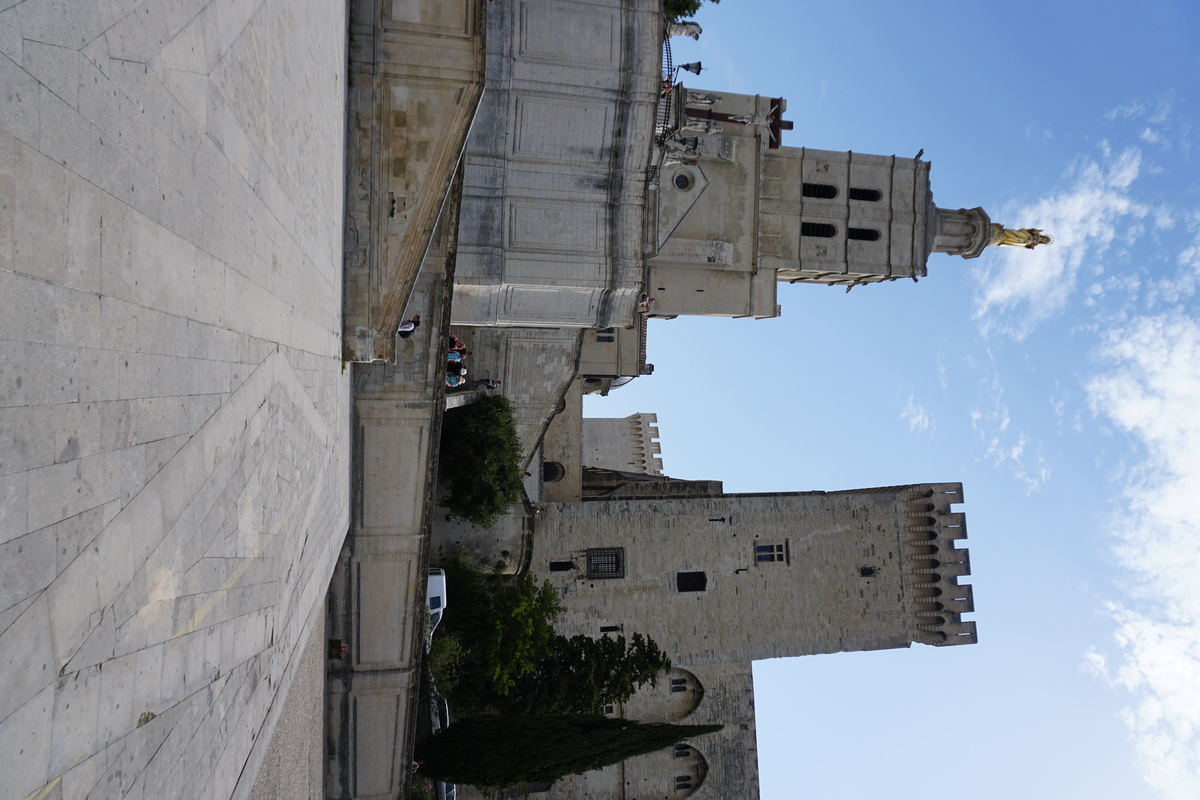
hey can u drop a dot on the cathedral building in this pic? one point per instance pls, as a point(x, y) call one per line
point(599, 193)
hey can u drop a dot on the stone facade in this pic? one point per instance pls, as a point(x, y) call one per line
point(740, 577)
point(594, 198)
point(414, 85)
point(555, 168)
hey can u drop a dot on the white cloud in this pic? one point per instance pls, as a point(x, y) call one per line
point(1004, 448)
point(1130, 111)
point(1152, 391)
point(1025, 287)
point(915, 415)
point(1154, 137)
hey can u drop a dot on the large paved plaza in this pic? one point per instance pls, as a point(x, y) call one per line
point(174, 414)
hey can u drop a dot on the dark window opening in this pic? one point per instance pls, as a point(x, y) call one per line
point(552, 471)
point(606, 562)
point(820, 229)
point(610, 628)
point(682, 750)
point(683, 181)
point(606, 338)
point(864, 234)
point(678, 688)
point(824, 191)
point(562, 566)
point(691, 581)
point(867, 195)
point(867, 572)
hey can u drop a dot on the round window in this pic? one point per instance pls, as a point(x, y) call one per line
point(683, 181)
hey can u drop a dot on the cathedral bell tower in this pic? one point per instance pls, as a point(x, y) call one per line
point(737, 212)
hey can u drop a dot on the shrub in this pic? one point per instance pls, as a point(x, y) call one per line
point(445, 663)
point(480, 461)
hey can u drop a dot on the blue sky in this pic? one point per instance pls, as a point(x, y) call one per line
point(1061, 386)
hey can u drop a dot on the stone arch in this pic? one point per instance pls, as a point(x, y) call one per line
point(689, 769)
point(672, 697)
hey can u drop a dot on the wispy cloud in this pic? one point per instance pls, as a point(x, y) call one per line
point(1151, 390)
point(1003, 447)
point(1024, 288)
point(915, 415)
point(1157, 123)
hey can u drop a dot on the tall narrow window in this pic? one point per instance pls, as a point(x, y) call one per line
point(823, 191)
point(821, 229)
point(864, 234)
point(691, 581)
point(868, 195)
point(768, 552)
point(606, 562)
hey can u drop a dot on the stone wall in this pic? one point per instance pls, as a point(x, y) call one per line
point(554, 193)
point(858, 570)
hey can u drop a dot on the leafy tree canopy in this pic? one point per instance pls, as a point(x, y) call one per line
point(504, 625)
point(508, 656)
point(480, 461)
point(581, 674)
point(682, 9)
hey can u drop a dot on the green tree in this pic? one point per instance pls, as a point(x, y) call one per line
point(480, 461)
point(500, 751)
point(682, 9)
point(504, 626)
point(581, 674)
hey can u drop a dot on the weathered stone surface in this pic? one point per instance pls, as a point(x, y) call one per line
point(174, 415)
point(415, 83)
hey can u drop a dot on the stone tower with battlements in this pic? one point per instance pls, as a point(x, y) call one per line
point(720, 578)
point(625, 443)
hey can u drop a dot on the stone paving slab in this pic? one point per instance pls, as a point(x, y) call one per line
point(174, 414)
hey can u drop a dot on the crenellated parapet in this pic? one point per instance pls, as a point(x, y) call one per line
point(934, 564)
point(628, 444)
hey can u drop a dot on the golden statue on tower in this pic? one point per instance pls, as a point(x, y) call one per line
point(1028, 238)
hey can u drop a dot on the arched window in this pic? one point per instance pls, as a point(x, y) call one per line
point(821, 229)
point(864, 234)
point(868, 195)
point(553, 471)
point(823, 191)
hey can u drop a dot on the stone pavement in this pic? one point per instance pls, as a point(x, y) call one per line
point(174, 415)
